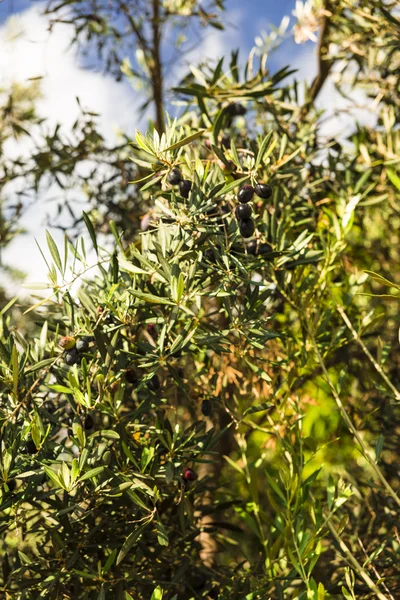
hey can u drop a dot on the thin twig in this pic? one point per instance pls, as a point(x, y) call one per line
point(351, 426)
point(356, 565)
point(367, 353)
point(375, 570)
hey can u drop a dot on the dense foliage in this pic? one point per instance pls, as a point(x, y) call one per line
point(212, 412)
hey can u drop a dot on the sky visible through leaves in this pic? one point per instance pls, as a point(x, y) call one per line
point(27, 50)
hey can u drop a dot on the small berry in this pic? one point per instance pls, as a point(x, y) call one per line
point(30, 447)
point(130, 376)
point(245, 194)
point(210, 256)
point(252, 247)
point(247, 228)
point(264, 248)
point(263, 190)
point(151, 329)
point(82, 345)
point(226, 142)
point(243, 211)
point(184, 188)
point(189, 474)
point(236, 109)
point(154, 383)
point(99, 310)
point(72, 357)
point(88, 424)
point(67, 342)
point(206, 407)
point(114, 387)
point(12, 484)
point(174, 177)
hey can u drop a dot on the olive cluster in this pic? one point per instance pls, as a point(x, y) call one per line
point(175, 178)
point(74, 348)
point(243, 212)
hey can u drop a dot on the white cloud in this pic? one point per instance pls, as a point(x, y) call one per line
point(29, 50)
point(341, 114)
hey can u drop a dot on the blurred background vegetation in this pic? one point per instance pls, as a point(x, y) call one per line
point(301, 498)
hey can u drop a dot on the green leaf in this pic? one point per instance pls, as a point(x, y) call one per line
point(185, 141)
point(61, 388)
point(262, 150)
point(129, 542)
point(53, 476)
point(379, 447)
point(230, 186)
point(54, 252)
point(218, 123)
point(91, 473)
point(90, 228)
point(382, 280)
point(150, 298)
point(157, 594)
point(162, 535)
point(258, 408)
point(142, 142)
point(109, 562)
point(106, 433)
point(40, 365)
point(8, 305)
point(129, 267)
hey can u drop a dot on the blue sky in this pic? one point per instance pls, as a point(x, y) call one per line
point(31, 51)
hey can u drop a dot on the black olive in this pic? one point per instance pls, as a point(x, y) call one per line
point(88, 424)
point(174, 177)
point(30, 447)
point(71, 357)
point(130, 376)
point(245, 194)
point(264, 248)
point(247, 228)
point(82, 345)
point(263, 190)
point(206, 407)
point(236, 109)
point(243, 211)
point(252, 247)
point(184, 187)
point(226, 142)
point(12, 484)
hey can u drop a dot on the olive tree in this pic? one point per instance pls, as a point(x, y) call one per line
point(213, 413)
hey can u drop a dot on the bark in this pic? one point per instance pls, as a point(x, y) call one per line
point(157, 71)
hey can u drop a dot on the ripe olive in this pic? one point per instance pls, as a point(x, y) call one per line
point(189, 474)
point(245, 194)
point(88, 424)
point(243, 211)
point(184, 187)
point(174, 176)
point(206, 407)
point(71, 357)
point(247, 227)
point(263, 190)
